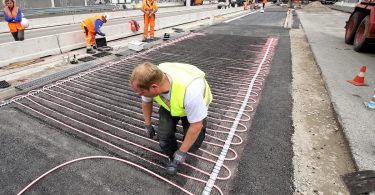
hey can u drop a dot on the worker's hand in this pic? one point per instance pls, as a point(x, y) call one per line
point(150, 131)
point(179, 158)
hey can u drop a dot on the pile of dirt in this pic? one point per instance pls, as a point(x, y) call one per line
point(316, 6)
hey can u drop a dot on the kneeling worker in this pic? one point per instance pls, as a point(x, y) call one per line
point(91, 26)
point(183, 94)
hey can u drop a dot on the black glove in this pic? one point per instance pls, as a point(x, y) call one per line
point(150, 131)
point(179, 158)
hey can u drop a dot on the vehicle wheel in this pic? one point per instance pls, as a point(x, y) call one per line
point(360, 43)
point(352, 25)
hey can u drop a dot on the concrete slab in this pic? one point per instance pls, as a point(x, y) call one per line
point(339, 63)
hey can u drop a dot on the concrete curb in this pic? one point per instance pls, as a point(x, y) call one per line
point(57, 44)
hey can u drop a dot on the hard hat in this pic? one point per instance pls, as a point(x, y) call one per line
point(106, 16)
point(25, 23)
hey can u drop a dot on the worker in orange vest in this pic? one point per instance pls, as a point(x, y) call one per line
point(91, 27)
point(264, 5)
point(247, 5)
point(149, 8)
point(13, 15)
point(255, 3)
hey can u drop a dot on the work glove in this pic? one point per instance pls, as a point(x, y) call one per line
point(150, 131)
point(179, 158)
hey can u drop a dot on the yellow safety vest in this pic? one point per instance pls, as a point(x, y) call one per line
point(182, 75)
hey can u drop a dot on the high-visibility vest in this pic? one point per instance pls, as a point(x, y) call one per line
point(13, 26)
point(90, 23)
point(181, 75)
point(149, 5)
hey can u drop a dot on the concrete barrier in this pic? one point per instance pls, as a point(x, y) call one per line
point(71, 40)
point(75, 19)
point(55, 44)
point(28, 49)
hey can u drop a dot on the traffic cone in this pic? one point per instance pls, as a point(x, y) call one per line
point(359, 80)
point(371, 104)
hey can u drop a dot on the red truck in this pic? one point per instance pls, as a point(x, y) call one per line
point(360, 28)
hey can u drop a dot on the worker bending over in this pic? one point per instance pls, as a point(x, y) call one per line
point(13, 15)
point(91, 27)
point(183, 94)
point(149, 8)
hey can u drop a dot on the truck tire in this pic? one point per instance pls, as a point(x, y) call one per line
point(352, 25)
point(360, 42)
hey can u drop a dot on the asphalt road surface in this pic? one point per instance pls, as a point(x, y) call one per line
point(39, 132)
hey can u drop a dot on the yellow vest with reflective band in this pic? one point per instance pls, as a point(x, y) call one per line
point(181, 75)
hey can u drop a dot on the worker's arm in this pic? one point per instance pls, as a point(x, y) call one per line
point(147, 110)
point(6, 18)
point(143, 9)
point(155, 8)
point(196, 112)
point(191, 135)
point(98, 25)
point(18, 18)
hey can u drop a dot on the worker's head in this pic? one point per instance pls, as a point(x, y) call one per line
point(105, 17)
point(146, 80)
point(9, 3)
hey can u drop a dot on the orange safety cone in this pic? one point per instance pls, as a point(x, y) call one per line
point(359, 80)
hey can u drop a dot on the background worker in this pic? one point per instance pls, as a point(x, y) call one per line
point(264, 5)
point(183, 94)
point(247, 5)
point(149, 8)
point(13, 15)
point(255, 3)
point(91, 27)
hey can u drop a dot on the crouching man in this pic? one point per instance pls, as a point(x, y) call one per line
point(183, 94)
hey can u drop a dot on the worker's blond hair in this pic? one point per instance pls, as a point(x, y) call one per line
point(4, 1)
point(145, 75)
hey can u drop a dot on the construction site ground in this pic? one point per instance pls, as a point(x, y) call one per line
point(309, 125)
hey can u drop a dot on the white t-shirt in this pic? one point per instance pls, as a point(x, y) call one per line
point(195, 106)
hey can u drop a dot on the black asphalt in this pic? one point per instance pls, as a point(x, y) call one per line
point(265, 165)
point(30, 146)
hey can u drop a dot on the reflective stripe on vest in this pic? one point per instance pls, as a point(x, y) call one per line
point(90, 23)
point(181, 75)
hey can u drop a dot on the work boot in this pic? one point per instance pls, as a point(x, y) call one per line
point(152, 39)
point(90, 51)
point(144, 39)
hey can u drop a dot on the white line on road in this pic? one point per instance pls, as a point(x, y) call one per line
point(227, 21)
